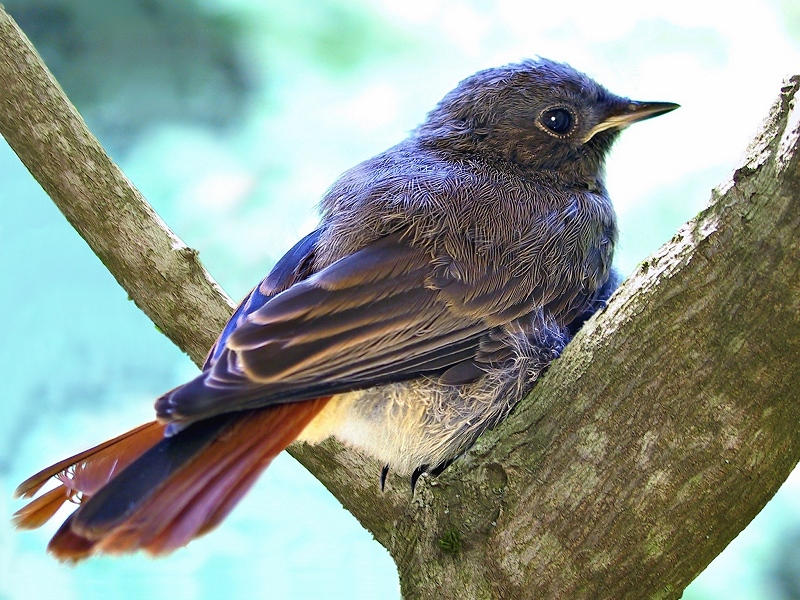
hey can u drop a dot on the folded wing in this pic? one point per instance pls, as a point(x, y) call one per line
point(389, 312)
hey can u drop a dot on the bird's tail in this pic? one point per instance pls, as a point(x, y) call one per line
point(144, 490)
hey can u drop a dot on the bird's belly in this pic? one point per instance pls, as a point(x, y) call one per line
point(381, 421)
point(408, 424)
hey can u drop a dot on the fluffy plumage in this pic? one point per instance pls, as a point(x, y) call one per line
point(445, 275)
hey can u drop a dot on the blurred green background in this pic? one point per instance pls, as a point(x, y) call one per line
point(233, 117)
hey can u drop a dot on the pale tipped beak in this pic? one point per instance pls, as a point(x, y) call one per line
point(628, 113)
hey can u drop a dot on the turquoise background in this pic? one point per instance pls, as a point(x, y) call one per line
point(233, 117)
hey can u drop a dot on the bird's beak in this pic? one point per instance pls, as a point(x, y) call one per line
point(630, 112)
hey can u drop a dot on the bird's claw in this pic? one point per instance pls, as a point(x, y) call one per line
point(384, 473)
point(416, 475)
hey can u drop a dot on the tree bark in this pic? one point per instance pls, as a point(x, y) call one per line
point(660, 433)
point(666, 425)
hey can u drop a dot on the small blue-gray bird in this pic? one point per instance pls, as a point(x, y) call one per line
point(445, 275)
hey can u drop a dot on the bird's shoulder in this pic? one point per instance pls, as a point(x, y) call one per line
point(466, 207)
point(434, 197)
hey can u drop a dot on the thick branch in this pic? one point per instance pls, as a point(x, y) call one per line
point(663, 429)
point(668, 423)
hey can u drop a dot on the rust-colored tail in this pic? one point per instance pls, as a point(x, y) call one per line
point(142, 490)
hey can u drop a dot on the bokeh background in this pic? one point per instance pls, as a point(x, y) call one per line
point(233, 117)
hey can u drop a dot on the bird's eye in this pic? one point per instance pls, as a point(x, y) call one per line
point(557, 121)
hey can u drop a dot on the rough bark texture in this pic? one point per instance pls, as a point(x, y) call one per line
point(667, 424)
point(663, 429)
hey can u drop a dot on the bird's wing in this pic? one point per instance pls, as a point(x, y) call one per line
point(294, 266)
point(388, 312)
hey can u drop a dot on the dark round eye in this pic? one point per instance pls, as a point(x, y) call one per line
point(557, 120)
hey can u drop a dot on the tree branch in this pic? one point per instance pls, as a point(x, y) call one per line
point(663, 429)
point(159, 272)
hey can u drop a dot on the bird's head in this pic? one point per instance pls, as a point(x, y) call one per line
point(540, 115)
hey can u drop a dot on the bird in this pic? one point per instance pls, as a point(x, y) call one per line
point(445, 275)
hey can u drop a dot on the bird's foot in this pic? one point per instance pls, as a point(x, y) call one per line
point(415, 476)
point(384, 473)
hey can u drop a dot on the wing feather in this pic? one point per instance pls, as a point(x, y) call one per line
point(388, 312)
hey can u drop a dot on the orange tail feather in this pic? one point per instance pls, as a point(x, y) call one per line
point(183, 502)
point(38, 512)
point(112, 455)
point(82, 474)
